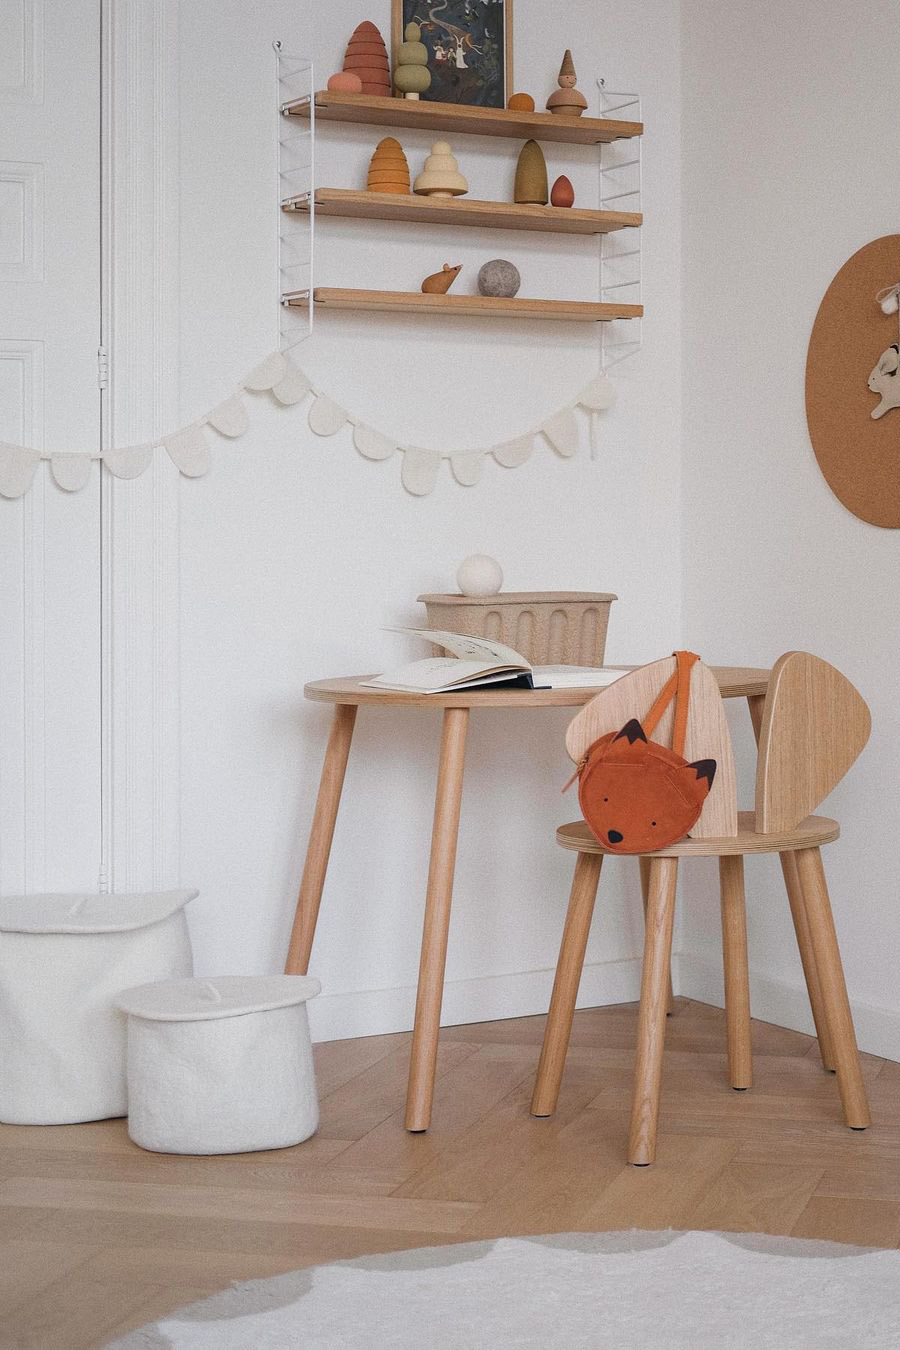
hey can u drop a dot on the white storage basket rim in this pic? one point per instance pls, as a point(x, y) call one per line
point(84, 913)
point(204, 1000)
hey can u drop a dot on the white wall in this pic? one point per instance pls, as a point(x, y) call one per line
point(295, 551)
point(787, 171)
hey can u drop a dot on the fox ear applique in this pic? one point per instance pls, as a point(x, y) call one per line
point(632, 731)
point(705, 768)
point(699, 777)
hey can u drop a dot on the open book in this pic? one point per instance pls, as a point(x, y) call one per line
point(475, 662)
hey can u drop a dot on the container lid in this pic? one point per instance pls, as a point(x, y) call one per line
point(200, 1000)
point(88, 913)
point(520, 598)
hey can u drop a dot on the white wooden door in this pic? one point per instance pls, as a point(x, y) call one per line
point(49, 397)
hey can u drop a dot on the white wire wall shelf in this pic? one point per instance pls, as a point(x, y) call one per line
point(418, 114)
point(481, 306)
point(618, 309)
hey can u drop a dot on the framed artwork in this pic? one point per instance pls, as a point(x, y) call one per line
point(469, 46)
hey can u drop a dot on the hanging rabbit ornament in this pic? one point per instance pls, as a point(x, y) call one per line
point(885, 378)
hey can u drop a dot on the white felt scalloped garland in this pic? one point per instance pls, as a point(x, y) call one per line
point(189, 449)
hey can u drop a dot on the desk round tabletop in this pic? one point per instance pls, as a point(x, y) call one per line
point(734, 682)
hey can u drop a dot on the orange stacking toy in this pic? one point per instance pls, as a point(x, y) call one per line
point(388, 169)
point(367, 57)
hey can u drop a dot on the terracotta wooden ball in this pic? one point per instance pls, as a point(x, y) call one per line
point(345, 82)
point(520, 103)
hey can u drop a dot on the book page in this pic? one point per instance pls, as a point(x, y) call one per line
point(436, 673)
point(576, 677)
point(485, 650)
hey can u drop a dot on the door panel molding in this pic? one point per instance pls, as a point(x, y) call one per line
point(140, 517)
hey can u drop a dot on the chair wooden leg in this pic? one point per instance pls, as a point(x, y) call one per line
point(807, 957)
point(645, 889)
point(833, 989)
point(565, 984)
point(652, 1014)
point(737, 977)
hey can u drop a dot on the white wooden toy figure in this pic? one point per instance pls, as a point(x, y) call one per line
point(885, 378)
point(479, 575)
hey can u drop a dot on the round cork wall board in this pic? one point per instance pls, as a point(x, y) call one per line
point(858, 454)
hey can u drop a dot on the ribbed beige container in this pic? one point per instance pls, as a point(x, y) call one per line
point(549, 628)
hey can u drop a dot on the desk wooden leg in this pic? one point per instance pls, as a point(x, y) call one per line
point(437, 919)
point(320, 837)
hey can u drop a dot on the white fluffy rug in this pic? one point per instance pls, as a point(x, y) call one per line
point(631, 1291)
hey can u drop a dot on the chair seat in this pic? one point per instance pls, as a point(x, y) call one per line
point(810, 833)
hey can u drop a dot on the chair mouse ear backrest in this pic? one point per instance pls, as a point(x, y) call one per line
point(707, 736)
point(814, 725)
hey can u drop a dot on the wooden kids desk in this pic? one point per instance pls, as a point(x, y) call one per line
point(348, 695)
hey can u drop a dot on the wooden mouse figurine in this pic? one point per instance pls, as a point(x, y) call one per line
point(439, 283)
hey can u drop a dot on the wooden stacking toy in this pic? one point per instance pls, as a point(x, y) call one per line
point(562, 193)
point(411, 74)
point(441, 176)
point(388, 169)
point(439, 283)
point(567, 100)
point(531, 175)
point(520, 103)
point(367, 57)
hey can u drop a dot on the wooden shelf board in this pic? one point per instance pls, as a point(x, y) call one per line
point(460, 118)
point(483, 306)
point(463, 211)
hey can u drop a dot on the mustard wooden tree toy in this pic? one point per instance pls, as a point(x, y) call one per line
point(388, 169)
point(411, 74)
point(567, 100)
point(531, 175)
point(441, 176)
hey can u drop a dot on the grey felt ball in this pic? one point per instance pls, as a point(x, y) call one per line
point(499, 277)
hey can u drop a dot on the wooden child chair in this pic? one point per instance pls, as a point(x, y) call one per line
point(812, 726)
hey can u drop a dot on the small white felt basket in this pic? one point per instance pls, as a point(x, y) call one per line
point(63, 960)
point(221, 1065)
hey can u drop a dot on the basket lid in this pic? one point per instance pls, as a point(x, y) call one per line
point(521, 598)
point(204, 1000)
point(88, 913)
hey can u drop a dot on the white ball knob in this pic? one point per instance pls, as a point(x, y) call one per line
point(890, 304)
point(479, 575)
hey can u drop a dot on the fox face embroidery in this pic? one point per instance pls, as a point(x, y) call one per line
point(638, 796)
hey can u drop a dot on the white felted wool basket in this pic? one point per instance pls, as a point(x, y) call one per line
point(63, 960)
point(221, 1065)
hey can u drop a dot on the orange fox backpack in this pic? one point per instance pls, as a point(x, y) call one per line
point(636, 795)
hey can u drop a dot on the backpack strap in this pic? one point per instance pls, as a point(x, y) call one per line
point(678, 686)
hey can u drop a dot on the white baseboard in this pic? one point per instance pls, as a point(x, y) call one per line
point(787, 1005)
point(336, 1017)
point(376, 1012)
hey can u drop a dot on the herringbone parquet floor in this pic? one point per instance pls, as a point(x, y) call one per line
point(97, 1236)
